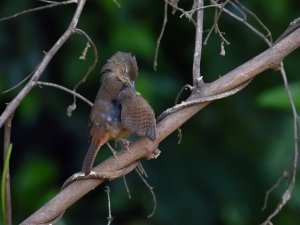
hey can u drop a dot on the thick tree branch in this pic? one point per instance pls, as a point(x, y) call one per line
point(142, 148)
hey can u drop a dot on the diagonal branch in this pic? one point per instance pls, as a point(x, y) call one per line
point(142, 148)
point(288, 192)
point(12, 106)
point(51, 5)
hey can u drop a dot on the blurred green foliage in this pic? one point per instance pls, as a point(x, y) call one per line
point(231, 152)
point(276, 97)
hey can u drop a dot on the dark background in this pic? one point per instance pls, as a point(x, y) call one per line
point(231, 152)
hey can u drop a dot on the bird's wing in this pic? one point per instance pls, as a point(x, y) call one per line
point(136, 114)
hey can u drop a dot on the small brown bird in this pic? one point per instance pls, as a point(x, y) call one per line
point(118, 109)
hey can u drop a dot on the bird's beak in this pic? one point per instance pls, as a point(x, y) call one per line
point(132, 84)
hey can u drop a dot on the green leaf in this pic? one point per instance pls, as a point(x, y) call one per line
point(277, 97)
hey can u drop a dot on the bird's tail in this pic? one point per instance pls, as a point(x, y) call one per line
point(90, 158)
point(92, 153)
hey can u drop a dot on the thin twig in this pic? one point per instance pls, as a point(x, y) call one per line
point(113, 151)
point(272, 189)
point(151, 191)
point(18, 84)
point(200, 100)
point(193, 10)
point(48, 84)
point(109, 218)
point(161, 35)
point(288, 192)
point(142, 170)
point(215, 25)
point(85, 51)
point(187, 15)
point(243, 21)
point(243, 14)
point(269, 34)
point(72, 107)
point(91, 68)
point(12, 106)
point(52, 4)
point(197, 78)
point(126, 187)
point(185, 87)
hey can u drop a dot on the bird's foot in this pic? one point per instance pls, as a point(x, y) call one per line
point(114, 152)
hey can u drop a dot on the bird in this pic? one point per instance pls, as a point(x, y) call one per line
point(118, 110)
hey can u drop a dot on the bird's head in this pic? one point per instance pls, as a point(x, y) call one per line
point(124, 66)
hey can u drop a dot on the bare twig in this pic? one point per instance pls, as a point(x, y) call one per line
point(161, 35)
point(193, 10)
point(185, 87)
point(243, 14)
point(85, 51)
point(197, 78)
point(11, 107)
point(215, 25)
point(288, 192)
point(248, 25)
point(185, 13)
point(113, 151)
point(284, 176)
point(48, 84)
point(142, 170)
point(72, 107)
point(91, 68)
point(109, 218)
point(18, 84)
point(51, 5)
point(269, 34)
point(151, 191)
point(185, 104)
point(126, 187)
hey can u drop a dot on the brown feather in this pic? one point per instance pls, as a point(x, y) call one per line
point(118, 109)
point(136, 114)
